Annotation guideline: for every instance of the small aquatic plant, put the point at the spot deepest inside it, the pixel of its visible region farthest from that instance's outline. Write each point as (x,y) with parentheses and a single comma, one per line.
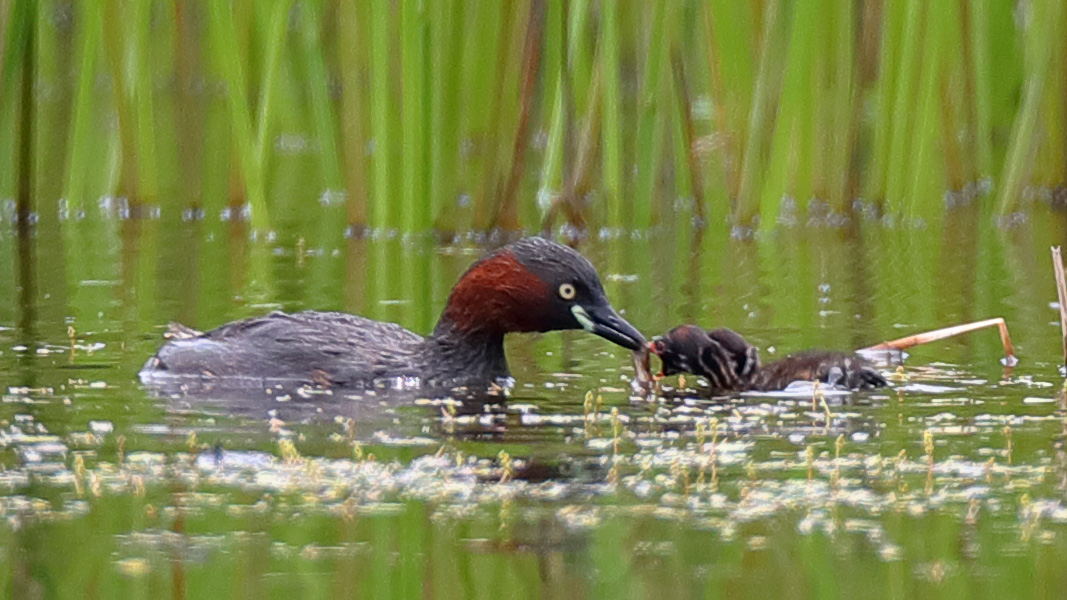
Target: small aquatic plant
(506,470)
(1007,443)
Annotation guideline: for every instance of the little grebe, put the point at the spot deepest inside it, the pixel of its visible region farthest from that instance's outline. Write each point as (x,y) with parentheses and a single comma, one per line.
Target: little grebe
(731,364)
(531,285)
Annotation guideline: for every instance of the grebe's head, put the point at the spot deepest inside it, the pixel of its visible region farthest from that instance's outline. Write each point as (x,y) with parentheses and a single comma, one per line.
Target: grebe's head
(679,349)
(535,284)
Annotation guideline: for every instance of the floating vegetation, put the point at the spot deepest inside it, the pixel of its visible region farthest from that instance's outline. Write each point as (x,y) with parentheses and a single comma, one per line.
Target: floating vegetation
(560,477)
(709,459)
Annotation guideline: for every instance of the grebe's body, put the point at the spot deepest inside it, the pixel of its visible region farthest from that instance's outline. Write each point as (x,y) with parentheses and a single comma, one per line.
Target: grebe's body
(531,285)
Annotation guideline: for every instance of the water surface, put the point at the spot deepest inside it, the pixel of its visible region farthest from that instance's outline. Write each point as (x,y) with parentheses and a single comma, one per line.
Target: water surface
(951,483)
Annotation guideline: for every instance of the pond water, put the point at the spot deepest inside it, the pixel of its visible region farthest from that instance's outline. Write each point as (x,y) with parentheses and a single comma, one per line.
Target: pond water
(951,483)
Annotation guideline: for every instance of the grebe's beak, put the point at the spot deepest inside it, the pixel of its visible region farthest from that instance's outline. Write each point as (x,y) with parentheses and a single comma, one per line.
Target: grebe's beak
(605,322)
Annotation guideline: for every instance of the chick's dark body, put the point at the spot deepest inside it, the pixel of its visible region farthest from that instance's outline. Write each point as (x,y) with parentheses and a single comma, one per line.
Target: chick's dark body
(731,364)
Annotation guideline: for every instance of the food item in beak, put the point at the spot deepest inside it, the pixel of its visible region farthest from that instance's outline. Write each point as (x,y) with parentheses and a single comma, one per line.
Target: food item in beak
(643,381)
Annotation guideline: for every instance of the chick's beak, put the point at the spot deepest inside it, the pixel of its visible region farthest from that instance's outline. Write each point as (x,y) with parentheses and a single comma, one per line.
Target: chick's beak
(605,322)
(652,350)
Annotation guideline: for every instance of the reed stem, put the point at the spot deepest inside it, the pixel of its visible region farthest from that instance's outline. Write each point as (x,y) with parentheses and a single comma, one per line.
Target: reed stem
(685,111)
(447,31)
(554,70)
(650,115)
(903,113)
(611,124)
(80,144)
(382,201)
(415,116)
(982,73)
(224,37)
(751,164)
(24,21)
(351,63)
(1023,144)
(507,217)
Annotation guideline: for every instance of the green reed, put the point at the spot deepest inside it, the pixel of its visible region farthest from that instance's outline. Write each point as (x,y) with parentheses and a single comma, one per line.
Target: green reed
(650,113)
(1040,68)
(275,34)
(841,106)
(409,106)
(115,51)
(447,26)
(87,46)
(790,151)
(16,56)
(493,63)
(556,40)
(612,166)
(223,33)
(415,117)
(351,55)
(925,125)
(902,109)
(981,74)
(752,157)
(383,116)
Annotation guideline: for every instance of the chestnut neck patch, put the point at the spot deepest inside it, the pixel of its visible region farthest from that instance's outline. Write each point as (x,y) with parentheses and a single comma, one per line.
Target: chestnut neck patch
(497,295)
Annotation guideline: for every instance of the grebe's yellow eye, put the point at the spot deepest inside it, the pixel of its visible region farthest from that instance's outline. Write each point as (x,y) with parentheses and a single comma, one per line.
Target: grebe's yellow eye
(567,291)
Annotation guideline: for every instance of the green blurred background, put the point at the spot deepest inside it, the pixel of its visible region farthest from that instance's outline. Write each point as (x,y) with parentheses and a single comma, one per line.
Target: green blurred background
(464,116)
